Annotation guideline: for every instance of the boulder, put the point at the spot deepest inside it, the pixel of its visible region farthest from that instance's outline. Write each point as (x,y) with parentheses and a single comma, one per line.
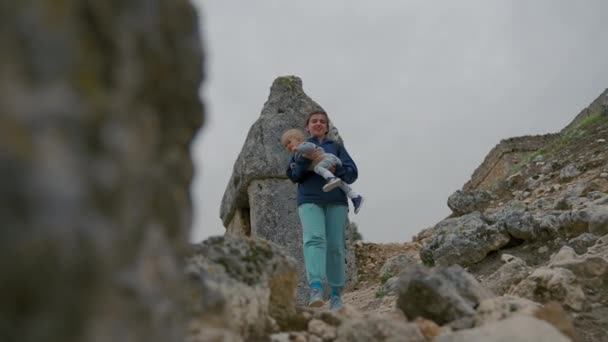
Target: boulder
(568,172)
(523,224)
(324,331)
(263,156)
(395,265)
(581,243)
(511,273)
(375,329)
(515,329)
(590,219)
(590,268)
(546,284)
(244,283)
(464,240)
(465,202)
(99,104)
(503,307)
(443,294)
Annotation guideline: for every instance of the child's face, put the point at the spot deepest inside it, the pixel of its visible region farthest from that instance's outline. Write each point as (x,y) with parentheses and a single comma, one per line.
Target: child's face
(291,143)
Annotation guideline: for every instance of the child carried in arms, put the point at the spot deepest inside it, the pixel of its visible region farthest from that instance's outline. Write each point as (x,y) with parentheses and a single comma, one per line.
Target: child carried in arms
(294,142)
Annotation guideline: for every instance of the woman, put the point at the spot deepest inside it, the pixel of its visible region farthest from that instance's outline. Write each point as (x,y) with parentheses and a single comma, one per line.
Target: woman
(323,214)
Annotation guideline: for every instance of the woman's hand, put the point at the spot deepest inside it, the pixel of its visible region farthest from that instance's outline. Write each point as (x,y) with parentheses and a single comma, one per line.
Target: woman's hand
(317,153)
(313,155)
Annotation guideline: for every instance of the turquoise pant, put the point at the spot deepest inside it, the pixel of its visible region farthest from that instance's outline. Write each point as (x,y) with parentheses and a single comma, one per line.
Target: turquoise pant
(323,229)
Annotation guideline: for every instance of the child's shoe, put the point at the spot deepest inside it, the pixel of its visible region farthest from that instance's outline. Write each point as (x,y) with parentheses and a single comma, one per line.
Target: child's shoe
(332,183)
(357,203)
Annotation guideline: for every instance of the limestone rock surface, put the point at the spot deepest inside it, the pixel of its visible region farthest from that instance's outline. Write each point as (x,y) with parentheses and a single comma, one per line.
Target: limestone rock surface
(99,103)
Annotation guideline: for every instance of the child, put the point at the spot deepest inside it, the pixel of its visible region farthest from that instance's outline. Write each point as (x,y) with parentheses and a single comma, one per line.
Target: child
(293,140)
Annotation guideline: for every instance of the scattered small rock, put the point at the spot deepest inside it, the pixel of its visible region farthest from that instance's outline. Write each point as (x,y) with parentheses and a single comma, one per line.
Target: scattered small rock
(395,265)
(546,284)
(516,328)
(443,294)
(581,243)
(428,328)
(465,202)
(538,159)
(515,180)
(569,172)
(554,313)
(499,308)
(322,330)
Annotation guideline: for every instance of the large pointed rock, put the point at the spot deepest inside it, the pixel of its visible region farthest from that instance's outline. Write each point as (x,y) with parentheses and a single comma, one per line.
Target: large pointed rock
(263,156)
(259,200)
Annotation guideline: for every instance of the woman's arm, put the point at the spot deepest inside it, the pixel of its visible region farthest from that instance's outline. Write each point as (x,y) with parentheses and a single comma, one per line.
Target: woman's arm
(348,172)
(297,169)
(305,148)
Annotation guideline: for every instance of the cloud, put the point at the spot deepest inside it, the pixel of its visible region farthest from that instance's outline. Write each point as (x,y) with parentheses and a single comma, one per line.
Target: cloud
(421,91)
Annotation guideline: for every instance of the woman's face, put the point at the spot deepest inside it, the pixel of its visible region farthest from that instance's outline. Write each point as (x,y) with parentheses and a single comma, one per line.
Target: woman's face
(317,125)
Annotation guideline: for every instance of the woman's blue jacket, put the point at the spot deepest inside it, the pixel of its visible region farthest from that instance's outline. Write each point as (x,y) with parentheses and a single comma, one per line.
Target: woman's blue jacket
(310,184)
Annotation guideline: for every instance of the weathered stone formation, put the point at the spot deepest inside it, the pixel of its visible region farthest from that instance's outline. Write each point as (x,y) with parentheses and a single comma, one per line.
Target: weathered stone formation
(466,202)
(434,304)
(99,103)
(241,287)
(543,237)
(444,295)
(510,153)
(528,263)
(259,200)
(597,106)
(503,158)
(264,158)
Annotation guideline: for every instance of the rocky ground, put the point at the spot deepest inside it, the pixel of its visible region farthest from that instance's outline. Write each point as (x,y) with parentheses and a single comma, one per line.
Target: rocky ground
(570,172)
(567,176)
(524,260)
(367,295)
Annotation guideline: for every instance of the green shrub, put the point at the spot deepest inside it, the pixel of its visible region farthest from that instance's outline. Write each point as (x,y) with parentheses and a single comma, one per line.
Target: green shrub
(385,277)
(591,120)
(568,136)
(354,229)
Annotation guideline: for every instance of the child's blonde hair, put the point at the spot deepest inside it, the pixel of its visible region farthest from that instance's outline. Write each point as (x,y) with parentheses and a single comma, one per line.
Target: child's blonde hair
(292,133)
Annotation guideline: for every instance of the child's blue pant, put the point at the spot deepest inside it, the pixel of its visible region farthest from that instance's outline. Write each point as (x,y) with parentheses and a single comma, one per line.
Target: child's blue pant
(323,229)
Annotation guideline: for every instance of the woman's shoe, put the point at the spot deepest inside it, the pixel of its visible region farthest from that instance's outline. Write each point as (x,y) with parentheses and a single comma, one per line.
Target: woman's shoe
(335,303)
(316,297)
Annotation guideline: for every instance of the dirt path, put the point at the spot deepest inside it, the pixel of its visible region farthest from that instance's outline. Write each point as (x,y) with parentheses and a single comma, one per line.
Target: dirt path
(370,258)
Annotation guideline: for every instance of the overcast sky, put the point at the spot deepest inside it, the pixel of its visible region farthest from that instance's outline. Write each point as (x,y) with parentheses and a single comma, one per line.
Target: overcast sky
(419,90)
